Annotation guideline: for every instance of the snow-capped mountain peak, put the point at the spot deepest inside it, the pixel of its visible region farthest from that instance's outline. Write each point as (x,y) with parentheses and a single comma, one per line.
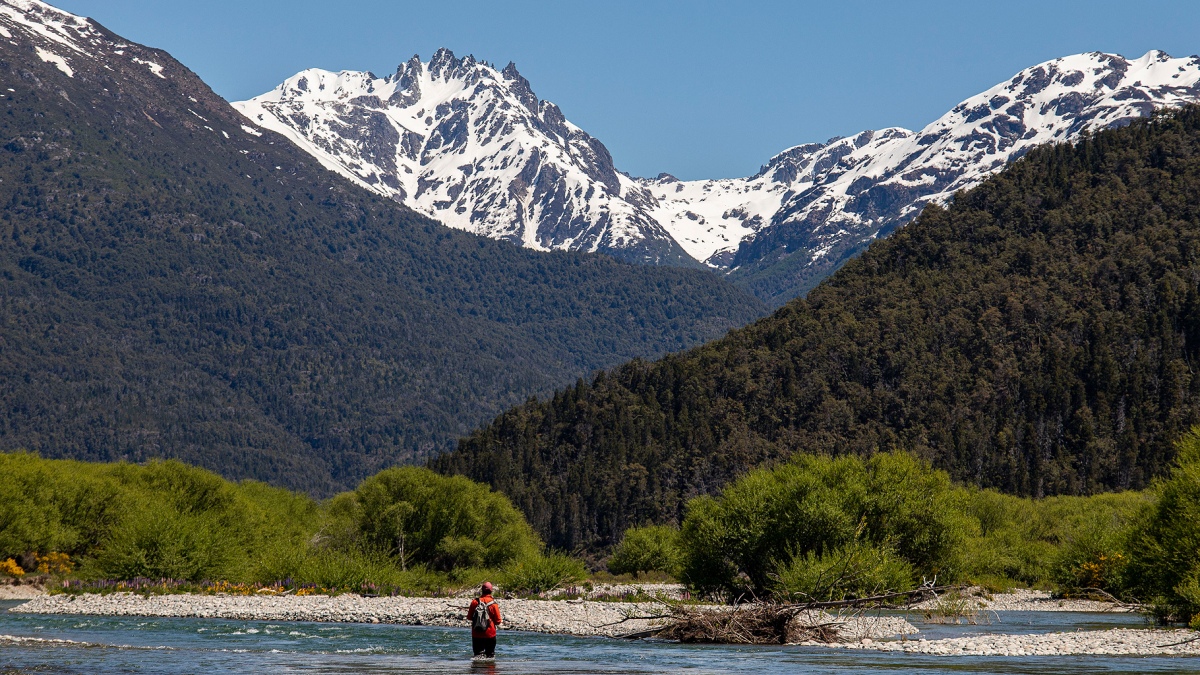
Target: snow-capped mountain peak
(826,201)
(861,192)
(471,145)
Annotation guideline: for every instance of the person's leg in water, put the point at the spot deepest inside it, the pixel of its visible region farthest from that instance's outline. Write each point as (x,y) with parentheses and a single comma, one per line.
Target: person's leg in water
(484,646)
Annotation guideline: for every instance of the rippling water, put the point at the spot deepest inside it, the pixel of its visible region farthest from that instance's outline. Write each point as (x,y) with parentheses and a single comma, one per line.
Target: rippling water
(179,646)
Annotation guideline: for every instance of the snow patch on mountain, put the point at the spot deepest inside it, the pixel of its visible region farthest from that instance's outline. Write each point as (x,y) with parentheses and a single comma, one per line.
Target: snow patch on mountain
(710,218)
(63,29)
(51,57)
(60,37)
(155,68)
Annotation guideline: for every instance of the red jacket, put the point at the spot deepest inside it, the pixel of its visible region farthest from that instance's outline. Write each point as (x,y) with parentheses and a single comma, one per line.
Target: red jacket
(493,610)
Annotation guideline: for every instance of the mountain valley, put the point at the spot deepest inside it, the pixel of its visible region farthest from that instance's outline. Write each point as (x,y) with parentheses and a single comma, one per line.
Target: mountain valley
(179,283)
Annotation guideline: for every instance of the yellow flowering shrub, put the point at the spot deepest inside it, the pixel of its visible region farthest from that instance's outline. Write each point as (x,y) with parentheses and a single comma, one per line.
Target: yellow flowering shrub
(229,588)
(55,563)
(1100,572)
(11,568)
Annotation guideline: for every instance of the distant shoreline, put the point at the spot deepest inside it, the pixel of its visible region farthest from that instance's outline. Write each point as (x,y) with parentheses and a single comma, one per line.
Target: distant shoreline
(21,592)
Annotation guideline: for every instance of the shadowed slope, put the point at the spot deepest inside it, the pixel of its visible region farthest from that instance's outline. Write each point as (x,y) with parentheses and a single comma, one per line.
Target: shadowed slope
(176,283)
(1038,336)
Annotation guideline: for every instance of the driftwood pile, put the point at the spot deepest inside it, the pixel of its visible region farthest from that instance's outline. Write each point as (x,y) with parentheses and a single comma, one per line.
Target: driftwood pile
(751,625)
(764,623)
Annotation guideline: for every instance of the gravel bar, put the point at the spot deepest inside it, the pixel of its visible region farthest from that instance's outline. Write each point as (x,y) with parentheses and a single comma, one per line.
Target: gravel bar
(1034,601)
(1113,642)
(565,617)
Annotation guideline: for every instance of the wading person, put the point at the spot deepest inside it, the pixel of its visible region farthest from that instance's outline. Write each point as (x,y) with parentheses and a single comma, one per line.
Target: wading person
(484,615)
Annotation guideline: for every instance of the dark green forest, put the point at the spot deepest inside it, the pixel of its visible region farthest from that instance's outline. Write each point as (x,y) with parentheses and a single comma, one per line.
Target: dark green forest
(1038,336)
(176,285)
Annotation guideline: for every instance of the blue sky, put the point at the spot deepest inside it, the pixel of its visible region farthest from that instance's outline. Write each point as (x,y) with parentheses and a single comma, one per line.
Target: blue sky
(697,89)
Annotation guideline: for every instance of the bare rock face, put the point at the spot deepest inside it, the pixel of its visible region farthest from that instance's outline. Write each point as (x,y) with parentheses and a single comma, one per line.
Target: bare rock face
(475,147)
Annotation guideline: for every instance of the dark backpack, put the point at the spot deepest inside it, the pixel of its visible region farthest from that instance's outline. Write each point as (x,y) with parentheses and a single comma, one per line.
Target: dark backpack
(481,619)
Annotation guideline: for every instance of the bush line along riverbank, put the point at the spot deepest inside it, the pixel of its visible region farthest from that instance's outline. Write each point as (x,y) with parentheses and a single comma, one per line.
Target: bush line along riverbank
(809,529)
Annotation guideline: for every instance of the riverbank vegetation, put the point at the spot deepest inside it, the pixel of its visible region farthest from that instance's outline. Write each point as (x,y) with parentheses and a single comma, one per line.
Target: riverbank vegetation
(812,529)
(168,526)
(818,529)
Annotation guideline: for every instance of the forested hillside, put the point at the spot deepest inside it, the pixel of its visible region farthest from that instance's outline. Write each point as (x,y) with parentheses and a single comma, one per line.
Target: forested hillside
(174,283)
(1038,336)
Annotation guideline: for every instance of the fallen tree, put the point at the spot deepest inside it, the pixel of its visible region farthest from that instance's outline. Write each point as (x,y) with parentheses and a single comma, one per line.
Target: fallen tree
(761,623)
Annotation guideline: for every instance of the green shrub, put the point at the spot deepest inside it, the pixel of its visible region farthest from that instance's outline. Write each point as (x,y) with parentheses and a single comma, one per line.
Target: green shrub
(277,560)
(459,552)
(855,570)
(541,573)
(347,569)
(420,517)
(1071,543)
(1092,555)
(654,548)
(55,505)
(163,519)
(162,543)
(403,528)
(1006,538)
(1164,564)
(817,505)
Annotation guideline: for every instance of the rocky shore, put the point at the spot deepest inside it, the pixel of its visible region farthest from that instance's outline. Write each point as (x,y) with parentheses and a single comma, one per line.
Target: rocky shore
(1114,642)
(566,617)
(13,589)
(1031,601)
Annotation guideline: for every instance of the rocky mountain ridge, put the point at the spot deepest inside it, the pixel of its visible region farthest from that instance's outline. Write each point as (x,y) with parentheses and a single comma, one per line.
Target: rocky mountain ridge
(472,145)
(850,191)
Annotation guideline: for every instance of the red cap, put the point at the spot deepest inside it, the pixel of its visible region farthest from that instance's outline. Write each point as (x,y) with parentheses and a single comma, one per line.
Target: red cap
(487,588)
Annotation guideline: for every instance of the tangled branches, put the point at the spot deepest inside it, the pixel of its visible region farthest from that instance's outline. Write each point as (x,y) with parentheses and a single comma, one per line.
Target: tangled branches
(752,625)
(769,622)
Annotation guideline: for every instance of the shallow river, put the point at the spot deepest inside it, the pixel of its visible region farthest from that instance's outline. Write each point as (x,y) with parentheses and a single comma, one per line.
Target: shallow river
(211,647)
